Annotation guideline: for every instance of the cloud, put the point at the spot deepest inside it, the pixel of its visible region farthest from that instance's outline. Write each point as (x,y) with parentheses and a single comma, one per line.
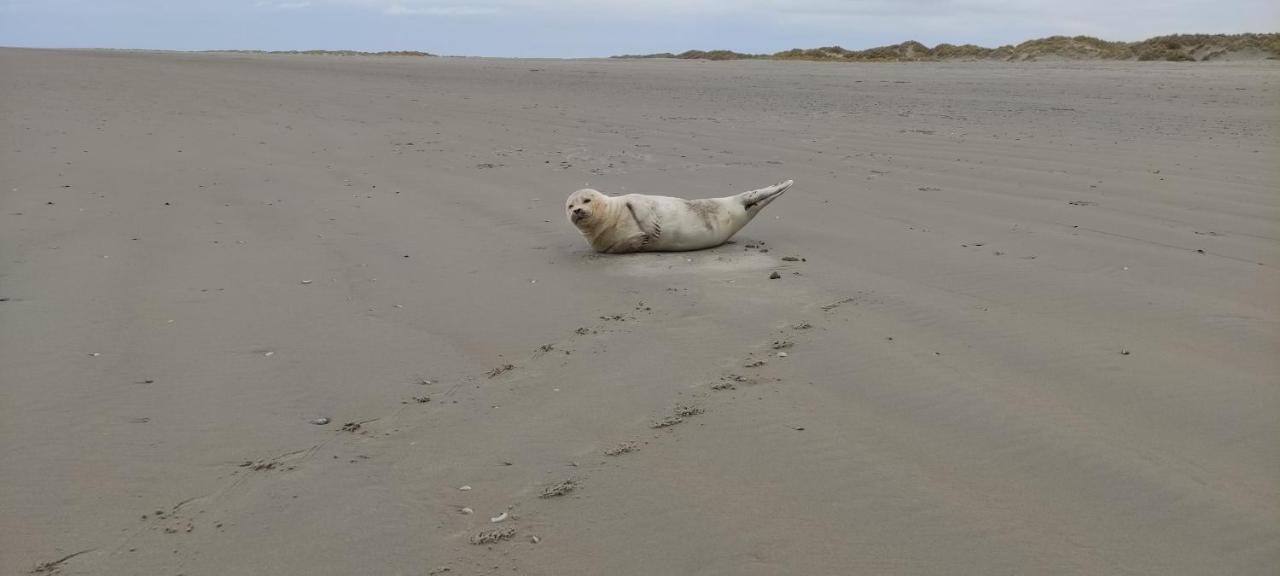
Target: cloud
(397,8)
(1123,19)
(430,7)
(1102,15)
(604,27)
(567,8)
(282,4)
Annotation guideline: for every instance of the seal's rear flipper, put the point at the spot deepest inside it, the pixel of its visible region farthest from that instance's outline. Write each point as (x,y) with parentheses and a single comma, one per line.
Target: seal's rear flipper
(755,200)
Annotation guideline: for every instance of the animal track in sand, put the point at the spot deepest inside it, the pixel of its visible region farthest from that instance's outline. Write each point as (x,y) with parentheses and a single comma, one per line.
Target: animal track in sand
(667,422)
(836,304)
(623,448)
(686,411)
(493,535)
(55,566)
(732,381)
(284,461)
(544,349)
(495,372)
(559,488)
(678,414)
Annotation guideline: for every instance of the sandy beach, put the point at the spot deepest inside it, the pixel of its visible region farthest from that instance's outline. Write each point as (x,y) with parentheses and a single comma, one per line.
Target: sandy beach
(324,315)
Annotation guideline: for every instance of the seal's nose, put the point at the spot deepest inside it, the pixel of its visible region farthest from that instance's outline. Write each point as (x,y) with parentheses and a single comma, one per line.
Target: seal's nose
(578,211)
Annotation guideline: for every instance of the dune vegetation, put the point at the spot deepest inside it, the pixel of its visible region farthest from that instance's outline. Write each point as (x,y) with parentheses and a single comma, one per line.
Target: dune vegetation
(1175,48)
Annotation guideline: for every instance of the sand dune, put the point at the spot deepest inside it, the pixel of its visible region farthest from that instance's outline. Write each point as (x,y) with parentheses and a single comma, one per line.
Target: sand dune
(1170,48)
(1034,329)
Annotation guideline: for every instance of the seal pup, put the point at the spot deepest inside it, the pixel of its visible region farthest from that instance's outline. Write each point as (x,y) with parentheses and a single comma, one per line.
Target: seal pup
(643,223)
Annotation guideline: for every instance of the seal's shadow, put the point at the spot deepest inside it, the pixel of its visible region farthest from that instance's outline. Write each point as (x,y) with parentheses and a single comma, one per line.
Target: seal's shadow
(723,259)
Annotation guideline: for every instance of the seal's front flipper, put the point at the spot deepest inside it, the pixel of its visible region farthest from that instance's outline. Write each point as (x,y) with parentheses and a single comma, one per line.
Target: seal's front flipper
(646,218)
(756,200)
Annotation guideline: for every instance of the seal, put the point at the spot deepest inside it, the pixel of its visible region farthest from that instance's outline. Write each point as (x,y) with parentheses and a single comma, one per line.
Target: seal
(643,223)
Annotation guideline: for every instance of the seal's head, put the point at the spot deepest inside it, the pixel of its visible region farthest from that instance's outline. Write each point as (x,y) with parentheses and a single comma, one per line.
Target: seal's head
(585,205)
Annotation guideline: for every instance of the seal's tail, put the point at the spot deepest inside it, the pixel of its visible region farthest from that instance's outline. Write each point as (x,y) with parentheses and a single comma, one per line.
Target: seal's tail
(756,200)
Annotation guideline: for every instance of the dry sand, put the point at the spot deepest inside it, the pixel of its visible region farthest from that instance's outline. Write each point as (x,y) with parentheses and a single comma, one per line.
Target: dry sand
(1035,330)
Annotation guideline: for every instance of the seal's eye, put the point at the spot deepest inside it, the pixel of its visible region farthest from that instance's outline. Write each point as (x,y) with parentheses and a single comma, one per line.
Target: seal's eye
(587,201)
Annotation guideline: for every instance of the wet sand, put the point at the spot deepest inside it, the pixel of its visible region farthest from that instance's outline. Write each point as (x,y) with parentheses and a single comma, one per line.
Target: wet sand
(1034,329)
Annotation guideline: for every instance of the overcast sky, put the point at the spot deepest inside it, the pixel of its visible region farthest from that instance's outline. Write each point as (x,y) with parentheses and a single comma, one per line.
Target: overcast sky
(577,28)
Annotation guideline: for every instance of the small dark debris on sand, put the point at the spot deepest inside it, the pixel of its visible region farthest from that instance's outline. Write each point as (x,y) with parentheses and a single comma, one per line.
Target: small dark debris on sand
(351,427)
(583,331)
(1082,203)
(801,326)
(782,344)
(756,364)
(493,535)
(181,526)
(499,370)
(559,489)
(929,189)
(421,399)
(546,348)
(718,386)
(793,259)
(623,448)
(775,275)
